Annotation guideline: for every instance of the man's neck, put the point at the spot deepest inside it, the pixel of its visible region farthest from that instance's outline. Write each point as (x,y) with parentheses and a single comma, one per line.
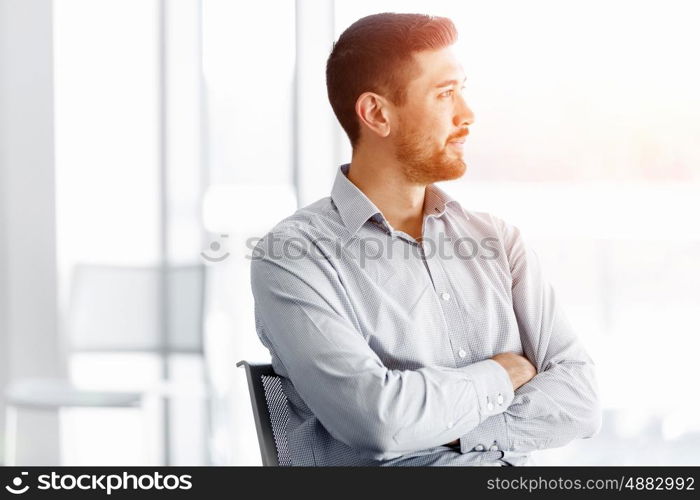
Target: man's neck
(383,182)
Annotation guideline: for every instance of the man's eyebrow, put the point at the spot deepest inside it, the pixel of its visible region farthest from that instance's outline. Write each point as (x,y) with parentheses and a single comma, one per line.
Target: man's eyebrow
(448,83)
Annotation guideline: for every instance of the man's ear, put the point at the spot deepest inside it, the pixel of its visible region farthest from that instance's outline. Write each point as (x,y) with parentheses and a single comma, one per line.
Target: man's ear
(373,111)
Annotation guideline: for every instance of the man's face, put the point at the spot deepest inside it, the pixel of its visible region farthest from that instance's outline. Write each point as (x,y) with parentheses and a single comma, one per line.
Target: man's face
(432,123)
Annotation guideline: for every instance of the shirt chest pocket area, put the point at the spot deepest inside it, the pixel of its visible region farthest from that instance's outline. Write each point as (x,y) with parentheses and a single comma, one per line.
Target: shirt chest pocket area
(400,315)
(485,302)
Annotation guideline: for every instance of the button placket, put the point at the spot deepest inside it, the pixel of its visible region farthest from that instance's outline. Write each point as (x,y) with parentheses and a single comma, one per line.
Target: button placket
(460,329)
(453,316)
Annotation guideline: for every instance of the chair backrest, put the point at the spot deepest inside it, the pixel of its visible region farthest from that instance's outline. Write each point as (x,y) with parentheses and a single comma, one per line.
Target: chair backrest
(123,309)
(270,411)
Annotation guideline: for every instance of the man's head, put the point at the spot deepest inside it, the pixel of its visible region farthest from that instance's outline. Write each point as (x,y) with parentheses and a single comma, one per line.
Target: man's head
(395,84)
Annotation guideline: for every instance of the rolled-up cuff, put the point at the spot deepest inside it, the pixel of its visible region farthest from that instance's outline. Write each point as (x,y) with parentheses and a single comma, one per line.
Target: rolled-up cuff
(490,435)
(493,387)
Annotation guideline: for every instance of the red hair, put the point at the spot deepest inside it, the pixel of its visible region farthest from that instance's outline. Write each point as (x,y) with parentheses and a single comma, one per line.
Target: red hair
(374,55)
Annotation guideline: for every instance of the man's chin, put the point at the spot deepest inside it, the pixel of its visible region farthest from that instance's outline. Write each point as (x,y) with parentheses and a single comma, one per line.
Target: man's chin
(454,171)
(441,167)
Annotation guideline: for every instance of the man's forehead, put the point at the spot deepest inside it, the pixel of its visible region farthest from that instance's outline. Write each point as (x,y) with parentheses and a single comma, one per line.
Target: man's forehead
(438,68)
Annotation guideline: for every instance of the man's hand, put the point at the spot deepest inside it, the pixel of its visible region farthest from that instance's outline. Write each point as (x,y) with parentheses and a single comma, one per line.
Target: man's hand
(518,367)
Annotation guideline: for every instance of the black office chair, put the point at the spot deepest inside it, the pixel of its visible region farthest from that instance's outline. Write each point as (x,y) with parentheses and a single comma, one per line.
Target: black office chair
(270,412)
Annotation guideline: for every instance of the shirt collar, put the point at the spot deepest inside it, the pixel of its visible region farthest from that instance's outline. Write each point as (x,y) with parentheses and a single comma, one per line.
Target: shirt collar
(438,201)
(353,205)
(355,208)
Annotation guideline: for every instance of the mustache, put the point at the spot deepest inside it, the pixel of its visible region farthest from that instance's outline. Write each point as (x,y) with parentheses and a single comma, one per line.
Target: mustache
(464,133)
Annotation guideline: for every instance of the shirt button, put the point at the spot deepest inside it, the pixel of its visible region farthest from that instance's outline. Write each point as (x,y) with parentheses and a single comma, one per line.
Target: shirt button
(489,406)
(493,448)
(450,425)
(479,447)
(445,296)
(500,398)
(462,353)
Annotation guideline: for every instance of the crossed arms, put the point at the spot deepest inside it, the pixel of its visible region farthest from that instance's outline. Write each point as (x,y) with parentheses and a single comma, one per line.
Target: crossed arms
(560,403)
(384,413)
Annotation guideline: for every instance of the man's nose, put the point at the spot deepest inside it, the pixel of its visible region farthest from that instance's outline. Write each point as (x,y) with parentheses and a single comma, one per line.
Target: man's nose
(464,116)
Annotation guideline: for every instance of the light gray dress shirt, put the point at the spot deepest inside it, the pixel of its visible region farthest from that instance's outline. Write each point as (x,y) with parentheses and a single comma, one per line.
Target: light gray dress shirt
(383,342)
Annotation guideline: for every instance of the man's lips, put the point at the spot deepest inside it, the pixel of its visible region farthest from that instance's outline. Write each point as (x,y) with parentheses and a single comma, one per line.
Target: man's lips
(458,145)
(460,138)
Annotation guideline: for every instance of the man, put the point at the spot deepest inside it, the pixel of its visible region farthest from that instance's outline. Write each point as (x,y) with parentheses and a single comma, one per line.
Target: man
(394,349)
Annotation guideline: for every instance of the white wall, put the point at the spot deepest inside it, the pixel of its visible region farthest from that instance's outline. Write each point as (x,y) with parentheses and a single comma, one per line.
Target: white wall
(28,310)
(315,126)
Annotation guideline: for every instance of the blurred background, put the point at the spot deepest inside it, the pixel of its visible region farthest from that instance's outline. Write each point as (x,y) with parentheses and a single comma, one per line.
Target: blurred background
(144,144)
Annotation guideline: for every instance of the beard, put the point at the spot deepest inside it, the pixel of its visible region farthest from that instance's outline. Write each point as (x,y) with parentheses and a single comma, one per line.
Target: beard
(423,162)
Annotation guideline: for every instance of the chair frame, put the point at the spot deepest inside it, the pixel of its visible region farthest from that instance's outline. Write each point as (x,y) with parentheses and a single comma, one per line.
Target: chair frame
(261,413)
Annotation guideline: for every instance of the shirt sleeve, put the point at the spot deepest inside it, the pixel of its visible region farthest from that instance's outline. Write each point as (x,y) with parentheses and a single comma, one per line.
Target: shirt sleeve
(307,323)
(561,402)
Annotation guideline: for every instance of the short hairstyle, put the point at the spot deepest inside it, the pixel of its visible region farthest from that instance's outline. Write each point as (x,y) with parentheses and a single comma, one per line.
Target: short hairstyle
(374,55)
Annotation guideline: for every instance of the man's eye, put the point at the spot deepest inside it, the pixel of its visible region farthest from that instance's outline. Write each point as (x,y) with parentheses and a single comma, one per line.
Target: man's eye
(447,93)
